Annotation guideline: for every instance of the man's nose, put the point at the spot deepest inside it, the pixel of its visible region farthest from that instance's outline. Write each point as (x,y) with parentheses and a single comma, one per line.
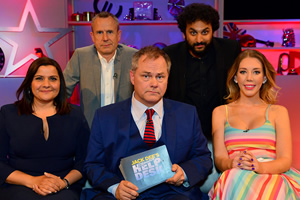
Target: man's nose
(153,82)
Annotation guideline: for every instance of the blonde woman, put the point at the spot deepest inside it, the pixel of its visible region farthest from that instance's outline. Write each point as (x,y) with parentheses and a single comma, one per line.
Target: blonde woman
(252,136)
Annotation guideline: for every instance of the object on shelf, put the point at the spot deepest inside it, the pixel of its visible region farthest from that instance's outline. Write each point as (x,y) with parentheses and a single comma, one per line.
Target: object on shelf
(288,37)
(175,7)
(160,45)
(143,10)
(249,41)
(87,16)
(231,31)
(76,17)
(155,15)
(284,60)
(130,16)
(292,71)
(96,9)
(2,59)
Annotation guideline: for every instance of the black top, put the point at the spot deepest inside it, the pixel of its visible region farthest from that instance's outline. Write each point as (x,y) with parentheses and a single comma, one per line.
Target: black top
(23,146)
(201,88)
(179,84)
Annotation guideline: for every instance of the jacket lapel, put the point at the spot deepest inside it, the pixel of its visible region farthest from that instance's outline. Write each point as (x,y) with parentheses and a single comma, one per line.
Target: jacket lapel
(97,74)
(169,128)
(117,71)
(220,67)
(181,60)
(124,124)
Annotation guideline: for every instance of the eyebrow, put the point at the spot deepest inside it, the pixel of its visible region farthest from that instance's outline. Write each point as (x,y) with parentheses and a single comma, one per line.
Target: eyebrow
(206,28)
(252,69)
(46,76)
(145,72)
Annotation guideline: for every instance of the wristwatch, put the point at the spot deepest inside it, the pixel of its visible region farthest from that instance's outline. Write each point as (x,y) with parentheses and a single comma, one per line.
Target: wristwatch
(67,183)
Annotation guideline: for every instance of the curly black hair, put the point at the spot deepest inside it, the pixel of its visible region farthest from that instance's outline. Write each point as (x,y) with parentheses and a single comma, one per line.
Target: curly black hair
(198,11)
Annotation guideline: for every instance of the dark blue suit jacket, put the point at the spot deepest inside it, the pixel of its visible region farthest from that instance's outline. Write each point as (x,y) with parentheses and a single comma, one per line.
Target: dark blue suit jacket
(114,135)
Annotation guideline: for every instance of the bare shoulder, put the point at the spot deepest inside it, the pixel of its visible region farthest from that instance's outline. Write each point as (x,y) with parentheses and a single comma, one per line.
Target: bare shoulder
(278,113)
(278,109)
(219,113)
(219,110)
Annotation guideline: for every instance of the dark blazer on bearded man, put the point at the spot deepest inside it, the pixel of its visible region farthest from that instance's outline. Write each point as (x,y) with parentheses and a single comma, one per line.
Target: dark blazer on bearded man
(114,135)
(84,68)
(226,51)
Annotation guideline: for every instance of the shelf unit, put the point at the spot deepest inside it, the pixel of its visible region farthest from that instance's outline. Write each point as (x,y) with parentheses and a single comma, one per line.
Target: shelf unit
(126,23)
(256,22)
(272,30)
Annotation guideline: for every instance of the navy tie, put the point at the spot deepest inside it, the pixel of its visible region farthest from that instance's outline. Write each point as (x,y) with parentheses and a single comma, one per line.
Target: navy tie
(149,135)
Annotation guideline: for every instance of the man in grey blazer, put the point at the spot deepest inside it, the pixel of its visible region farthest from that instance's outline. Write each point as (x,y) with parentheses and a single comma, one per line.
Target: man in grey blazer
(102,69)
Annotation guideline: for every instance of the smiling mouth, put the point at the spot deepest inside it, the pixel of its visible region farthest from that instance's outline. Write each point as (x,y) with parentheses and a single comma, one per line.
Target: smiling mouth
(249,87)
(46,91)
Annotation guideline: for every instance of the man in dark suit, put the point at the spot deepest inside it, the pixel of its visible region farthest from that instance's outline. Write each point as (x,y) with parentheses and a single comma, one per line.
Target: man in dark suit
(118,132)
(200,63)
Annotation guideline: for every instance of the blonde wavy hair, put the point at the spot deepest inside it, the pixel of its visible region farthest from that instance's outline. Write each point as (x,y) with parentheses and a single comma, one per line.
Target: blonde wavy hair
(268,91)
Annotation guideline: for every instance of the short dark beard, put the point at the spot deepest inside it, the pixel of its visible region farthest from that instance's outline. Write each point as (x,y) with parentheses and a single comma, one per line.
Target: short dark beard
(199,53)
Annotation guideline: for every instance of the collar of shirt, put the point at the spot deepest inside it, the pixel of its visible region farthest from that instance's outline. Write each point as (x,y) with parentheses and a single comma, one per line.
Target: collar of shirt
(104,61)
(140,117)
(138,109)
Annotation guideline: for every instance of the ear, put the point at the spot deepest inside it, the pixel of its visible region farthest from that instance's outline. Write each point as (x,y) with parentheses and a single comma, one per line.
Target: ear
(119,35)
(132,77)
(234,79)
(183,35)
(92,36)
(265,80)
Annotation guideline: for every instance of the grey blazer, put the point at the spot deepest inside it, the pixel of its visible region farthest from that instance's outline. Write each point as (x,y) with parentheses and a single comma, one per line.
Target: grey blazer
(84,68)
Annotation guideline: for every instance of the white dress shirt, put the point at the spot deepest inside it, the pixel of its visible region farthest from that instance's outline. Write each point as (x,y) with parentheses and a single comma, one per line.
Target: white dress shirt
(107,80)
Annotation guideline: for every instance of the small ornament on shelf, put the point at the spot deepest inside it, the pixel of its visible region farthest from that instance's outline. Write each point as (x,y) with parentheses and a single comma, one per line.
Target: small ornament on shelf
(175,7)
(292,71)
(155,15)
(284,60)
(285,67)
(76,17)
(231,31)
(288,38)
(130,16)
(88,16)
(143,10)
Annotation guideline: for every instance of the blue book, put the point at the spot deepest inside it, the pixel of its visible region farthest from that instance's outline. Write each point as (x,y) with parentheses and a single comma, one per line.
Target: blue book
(147,169)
